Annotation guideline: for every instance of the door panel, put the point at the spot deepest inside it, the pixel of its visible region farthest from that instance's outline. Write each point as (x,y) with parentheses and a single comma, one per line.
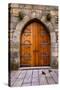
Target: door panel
(35,46)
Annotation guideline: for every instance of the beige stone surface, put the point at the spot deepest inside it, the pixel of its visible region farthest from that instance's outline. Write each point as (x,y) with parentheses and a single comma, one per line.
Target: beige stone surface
(34,77)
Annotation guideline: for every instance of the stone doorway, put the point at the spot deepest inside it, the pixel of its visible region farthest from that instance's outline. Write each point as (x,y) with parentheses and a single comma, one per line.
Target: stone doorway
(34,45)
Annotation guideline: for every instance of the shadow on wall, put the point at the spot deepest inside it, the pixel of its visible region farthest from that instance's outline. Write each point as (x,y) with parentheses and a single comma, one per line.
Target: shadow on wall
(54,63)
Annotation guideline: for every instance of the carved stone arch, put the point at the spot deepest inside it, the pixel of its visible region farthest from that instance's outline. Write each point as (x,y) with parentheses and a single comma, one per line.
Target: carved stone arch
(22,25)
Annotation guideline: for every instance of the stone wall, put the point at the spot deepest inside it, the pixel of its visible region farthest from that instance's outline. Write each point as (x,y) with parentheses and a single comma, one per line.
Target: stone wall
(20,14)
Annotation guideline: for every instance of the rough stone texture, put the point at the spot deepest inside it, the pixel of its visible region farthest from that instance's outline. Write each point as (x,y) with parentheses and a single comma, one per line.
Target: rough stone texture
(53,37)
(34,77)
(33,11)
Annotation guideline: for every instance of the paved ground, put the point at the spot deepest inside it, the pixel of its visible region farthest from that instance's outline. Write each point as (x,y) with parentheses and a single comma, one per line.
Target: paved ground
(34,77)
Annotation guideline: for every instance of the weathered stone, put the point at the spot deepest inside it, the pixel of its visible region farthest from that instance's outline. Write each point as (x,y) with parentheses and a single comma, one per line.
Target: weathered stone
(14,19)
(12,25)
(29,7)
(56,30)
(18,78)
(15,11)
(54,61)
(14,5)
(54,45)
(14,55)
(21,6)
(31,12)
(54,12)
(53,37)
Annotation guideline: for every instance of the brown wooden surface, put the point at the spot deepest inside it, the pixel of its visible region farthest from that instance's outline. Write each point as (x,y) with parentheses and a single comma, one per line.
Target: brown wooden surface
(35,46)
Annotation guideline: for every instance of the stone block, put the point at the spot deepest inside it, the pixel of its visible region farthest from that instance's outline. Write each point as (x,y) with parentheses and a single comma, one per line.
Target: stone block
(26,84)
(54,12)
(12,25)
(13,55)
(54,61)
(54,53)
(15,11)
(56,30)
(21,6)
(14,19)
(54,44)
(14,5)
(53,37)
(29,7)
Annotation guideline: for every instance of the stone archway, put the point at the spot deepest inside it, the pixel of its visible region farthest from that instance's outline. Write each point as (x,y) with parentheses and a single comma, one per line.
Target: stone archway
(18,31)
(39,44)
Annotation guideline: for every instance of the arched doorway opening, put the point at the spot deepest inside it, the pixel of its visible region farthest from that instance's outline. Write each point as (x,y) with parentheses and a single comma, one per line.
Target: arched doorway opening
(35,44)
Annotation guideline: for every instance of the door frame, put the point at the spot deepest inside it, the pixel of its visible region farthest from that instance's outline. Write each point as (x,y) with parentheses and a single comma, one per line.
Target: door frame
(29,22)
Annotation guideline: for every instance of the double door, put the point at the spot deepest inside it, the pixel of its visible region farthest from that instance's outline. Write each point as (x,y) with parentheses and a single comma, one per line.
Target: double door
(35,46)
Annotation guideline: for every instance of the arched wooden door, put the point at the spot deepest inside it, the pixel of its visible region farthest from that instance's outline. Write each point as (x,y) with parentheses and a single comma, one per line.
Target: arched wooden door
(35,46)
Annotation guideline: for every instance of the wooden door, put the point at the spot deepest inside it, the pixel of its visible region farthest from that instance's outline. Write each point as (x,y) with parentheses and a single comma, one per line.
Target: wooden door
(35,46)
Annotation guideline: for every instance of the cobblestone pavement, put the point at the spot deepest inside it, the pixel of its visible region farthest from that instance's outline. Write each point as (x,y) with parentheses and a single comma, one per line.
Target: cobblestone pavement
(34,77)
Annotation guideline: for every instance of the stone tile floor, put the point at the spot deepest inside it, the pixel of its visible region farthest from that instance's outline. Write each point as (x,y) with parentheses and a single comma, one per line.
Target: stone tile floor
(34,77)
